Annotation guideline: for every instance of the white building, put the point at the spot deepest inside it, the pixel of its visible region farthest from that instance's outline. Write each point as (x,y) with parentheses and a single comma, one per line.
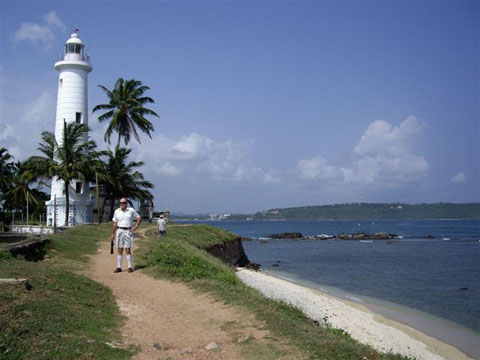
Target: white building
(72,106)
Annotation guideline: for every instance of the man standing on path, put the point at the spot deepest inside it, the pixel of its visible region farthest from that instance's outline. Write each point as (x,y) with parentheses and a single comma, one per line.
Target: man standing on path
(161,226)
(123,227)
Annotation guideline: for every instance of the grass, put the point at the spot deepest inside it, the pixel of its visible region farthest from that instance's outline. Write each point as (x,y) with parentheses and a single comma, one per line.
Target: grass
(201,236)
(178,258)
(65,315)
(68,316)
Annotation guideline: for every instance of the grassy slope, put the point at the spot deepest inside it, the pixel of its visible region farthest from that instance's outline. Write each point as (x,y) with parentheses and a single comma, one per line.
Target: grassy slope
(68,316)
(65,315)
(178,258)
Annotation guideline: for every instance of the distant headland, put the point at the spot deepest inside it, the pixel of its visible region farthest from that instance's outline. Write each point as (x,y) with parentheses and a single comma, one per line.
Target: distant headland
(353,211)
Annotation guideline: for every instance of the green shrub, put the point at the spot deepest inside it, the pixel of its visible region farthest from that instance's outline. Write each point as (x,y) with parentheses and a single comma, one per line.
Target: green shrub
(185,262)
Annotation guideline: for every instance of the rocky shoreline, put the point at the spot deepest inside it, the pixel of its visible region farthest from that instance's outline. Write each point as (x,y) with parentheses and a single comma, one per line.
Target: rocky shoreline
(341,236)
(357,321)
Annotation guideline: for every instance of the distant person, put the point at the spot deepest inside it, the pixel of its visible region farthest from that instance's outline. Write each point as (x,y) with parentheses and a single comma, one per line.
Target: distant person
(161,226)
(125,221)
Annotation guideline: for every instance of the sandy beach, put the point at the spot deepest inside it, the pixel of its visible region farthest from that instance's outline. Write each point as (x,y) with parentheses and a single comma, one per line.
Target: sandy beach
(363,325)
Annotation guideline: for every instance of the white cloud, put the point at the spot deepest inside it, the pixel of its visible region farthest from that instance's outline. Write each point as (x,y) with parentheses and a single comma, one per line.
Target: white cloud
(21,134)
(200,157)
(39,111)
(383,138)
(168,169)
(317,168)
(383,158)
(459,177)
(54,21)
(40,33)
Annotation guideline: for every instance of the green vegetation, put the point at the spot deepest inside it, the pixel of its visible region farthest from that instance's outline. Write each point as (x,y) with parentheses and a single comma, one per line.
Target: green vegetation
(74,156)
(67,158)
(179,258)
(118,177)
(65,315)
(361,211)
(16,186)
(68,316)
(126,110)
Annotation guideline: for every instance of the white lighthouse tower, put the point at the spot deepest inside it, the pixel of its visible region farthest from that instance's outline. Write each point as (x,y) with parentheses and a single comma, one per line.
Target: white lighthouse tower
(72,106)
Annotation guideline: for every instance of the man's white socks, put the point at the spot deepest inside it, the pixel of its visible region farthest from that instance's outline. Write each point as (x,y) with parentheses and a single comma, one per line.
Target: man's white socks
(129,260)
(119,261)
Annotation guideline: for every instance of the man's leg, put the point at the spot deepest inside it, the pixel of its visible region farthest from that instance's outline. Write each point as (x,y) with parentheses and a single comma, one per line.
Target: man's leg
(129,259)
(119,260)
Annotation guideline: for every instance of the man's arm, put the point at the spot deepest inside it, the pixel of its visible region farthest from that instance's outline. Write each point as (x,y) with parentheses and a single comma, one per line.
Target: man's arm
(114,229)
(139,220)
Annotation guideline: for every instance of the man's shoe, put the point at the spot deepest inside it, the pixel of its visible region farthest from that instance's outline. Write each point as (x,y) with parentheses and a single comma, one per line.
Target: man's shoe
(117,270)
(130,270)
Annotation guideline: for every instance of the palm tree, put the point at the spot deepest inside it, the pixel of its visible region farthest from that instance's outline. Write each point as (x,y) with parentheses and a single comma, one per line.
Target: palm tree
(119,178)
(21,192)
(7,171)
(71,158)
(126,110)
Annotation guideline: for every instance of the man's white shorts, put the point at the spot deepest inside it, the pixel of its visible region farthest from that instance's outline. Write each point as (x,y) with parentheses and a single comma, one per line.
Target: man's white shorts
(124,239)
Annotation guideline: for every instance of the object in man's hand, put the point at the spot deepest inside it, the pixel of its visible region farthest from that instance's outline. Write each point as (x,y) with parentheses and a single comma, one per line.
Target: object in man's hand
(111,247)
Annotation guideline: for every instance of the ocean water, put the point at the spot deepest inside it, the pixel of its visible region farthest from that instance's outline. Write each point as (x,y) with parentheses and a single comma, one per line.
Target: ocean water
(438,277)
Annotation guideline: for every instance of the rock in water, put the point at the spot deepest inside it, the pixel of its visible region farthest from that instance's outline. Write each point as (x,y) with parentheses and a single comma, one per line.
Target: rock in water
(287,235)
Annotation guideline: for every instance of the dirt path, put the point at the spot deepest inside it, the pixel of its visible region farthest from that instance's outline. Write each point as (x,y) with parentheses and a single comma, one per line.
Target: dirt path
(169,320)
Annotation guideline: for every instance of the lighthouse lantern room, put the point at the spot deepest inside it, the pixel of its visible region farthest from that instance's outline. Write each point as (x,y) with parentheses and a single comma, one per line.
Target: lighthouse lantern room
(72,106)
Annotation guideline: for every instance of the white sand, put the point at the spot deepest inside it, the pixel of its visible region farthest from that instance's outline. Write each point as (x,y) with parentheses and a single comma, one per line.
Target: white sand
(363,325)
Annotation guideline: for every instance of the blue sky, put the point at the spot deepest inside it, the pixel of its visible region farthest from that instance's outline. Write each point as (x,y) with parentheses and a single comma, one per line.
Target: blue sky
(267,104)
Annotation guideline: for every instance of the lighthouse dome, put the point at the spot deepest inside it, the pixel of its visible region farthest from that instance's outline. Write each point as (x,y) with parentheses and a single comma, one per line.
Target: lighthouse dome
(74,39)
(74,54)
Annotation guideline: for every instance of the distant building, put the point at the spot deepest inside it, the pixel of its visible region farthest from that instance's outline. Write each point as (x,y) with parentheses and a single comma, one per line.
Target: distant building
(98,203)
(146,209)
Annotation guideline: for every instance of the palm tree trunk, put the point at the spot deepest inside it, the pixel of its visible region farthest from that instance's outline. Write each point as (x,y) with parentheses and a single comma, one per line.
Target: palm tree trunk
(118,142)
(67,203)
(102,210)
(112,206)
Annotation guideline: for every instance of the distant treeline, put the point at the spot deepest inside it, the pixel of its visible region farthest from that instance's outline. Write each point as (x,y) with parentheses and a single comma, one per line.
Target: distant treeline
(360,211)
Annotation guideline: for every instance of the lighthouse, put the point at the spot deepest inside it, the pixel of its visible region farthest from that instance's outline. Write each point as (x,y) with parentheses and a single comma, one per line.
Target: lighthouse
(72,106)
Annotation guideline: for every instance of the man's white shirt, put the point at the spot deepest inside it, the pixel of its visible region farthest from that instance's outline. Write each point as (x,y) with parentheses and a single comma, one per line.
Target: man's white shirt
(125,218)
(161,224)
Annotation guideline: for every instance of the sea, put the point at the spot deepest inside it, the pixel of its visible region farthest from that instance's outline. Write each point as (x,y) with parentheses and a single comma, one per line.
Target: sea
(431,284)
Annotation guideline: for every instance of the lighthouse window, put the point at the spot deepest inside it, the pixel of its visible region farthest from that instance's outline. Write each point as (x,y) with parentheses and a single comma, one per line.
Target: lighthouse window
(71,48)
(78,47)
(78,118)
(78,187)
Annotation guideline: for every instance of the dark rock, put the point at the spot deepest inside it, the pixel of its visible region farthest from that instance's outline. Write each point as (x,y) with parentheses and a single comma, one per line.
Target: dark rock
(32,248)
(275,265)
(231,253)
(463,289)
(359,236)
(429,237)
(366,236)
(253,266)
(287,235)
